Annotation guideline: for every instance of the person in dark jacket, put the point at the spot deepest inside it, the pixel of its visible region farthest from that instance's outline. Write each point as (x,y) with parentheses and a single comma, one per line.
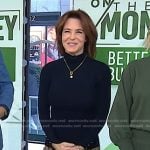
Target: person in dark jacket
(75,90)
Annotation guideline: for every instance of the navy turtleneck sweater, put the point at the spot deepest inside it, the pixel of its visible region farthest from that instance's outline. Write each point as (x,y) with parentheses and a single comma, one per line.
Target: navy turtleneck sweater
(74,109)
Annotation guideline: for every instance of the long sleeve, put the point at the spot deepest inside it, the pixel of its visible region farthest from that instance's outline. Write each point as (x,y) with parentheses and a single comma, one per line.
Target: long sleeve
(6,88)
(104,97)
(119,118)
(44,105)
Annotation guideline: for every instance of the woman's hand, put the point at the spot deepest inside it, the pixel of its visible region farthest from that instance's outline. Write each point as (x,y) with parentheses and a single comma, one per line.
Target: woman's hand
(67,146)
(3,112)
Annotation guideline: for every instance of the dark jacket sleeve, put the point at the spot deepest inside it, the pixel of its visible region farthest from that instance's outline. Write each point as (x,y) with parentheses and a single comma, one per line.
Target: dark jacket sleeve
(44,105)
(6,88)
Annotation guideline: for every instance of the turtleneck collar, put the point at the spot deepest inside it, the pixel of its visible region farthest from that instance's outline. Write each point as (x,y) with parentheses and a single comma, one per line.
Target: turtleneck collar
(74,58)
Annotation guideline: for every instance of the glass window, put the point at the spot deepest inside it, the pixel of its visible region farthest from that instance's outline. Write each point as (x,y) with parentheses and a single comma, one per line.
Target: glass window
(45,5)
(43,49)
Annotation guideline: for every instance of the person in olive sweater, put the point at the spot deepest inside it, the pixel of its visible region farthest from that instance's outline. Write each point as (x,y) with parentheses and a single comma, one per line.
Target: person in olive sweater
(75,90)
(129,118)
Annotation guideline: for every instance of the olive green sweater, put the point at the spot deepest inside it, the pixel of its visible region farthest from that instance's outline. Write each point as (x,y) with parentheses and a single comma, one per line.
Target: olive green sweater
(129,118)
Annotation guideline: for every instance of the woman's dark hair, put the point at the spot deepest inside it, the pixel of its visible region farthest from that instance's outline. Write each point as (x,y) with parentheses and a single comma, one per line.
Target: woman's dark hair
(88,28)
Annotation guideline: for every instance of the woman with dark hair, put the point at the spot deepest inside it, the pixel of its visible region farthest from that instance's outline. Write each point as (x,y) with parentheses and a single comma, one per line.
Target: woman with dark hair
(74,93)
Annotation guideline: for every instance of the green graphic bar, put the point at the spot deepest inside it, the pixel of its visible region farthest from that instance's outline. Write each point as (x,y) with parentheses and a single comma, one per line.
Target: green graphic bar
(9,56)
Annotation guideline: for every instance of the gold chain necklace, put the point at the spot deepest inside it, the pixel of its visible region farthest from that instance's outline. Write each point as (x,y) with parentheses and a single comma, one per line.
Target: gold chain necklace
(72,71)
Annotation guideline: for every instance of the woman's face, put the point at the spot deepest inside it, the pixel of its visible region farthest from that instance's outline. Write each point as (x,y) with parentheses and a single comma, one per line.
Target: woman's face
(73,37)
